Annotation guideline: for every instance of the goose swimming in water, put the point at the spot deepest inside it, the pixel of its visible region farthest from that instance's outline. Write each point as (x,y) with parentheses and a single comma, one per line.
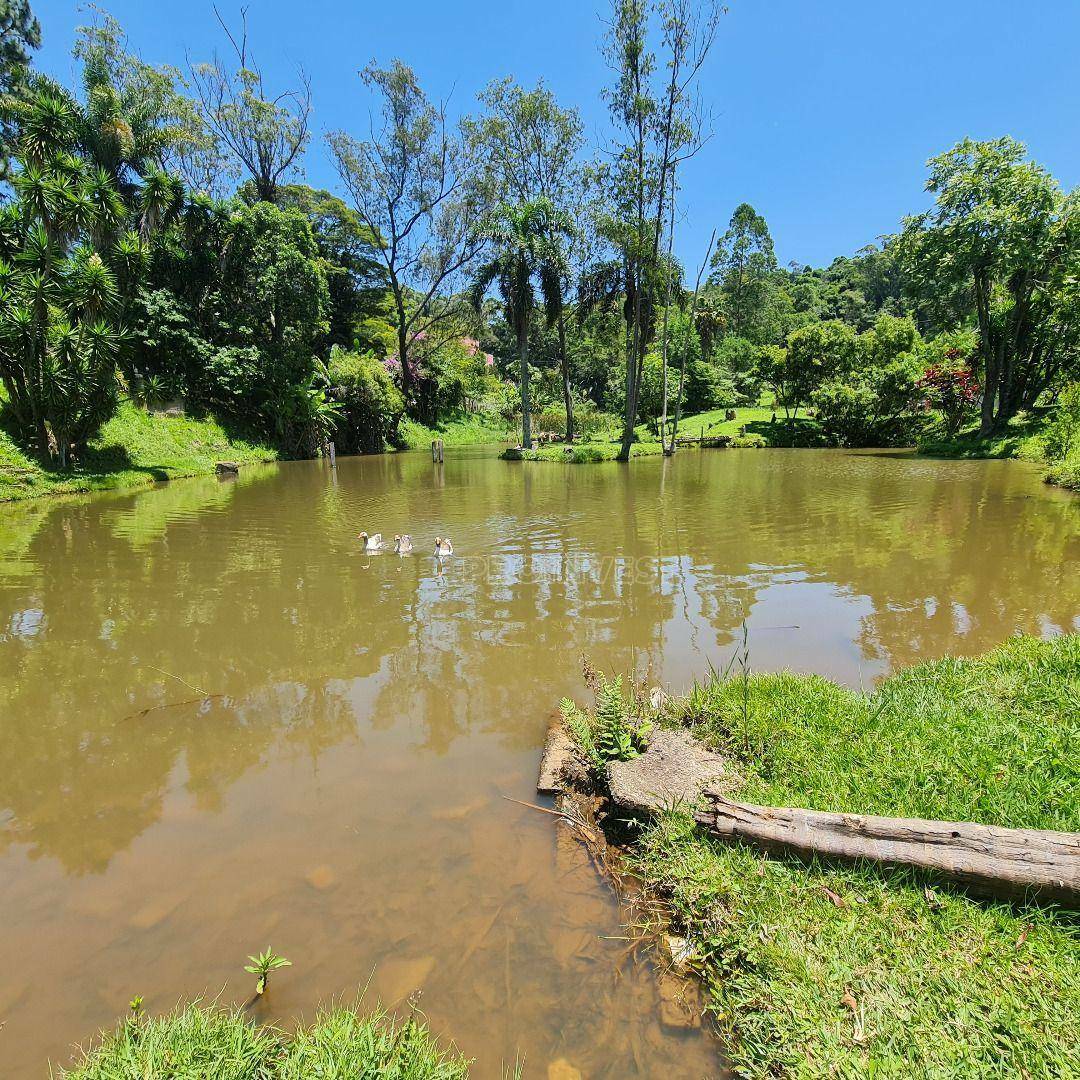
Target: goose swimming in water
(371,543)
(402,545)
(443,547)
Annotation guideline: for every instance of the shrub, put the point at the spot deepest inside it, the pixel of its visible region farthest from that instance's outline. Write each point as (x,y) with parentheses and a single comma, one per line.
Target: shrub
(737,360)
(952,388)
(371,404)
(748,442)
(872,407)
(1063,434)
(586,455)
(708,387)
(607,733)
(588,420)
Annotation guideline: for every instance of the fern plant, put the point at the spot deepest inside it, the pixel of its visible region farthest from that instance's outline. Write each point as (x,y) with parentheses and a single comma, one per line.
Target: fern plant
(579,725)
(609,733)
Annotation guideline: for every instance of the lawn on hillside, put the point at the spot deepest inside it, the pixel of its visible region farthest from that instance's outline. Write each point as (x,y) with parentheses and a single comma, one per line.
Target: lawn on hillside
(135,448)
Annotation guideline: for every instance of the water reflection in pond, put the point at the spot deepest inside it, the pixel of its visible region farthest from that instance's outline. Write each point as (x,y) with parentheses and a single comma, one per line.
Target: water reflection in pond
(222,726)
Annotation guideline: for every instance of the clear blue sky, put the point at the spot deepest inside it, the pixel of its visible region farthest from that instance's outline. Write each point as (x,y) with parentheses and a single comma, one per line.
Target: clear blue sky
(825,110)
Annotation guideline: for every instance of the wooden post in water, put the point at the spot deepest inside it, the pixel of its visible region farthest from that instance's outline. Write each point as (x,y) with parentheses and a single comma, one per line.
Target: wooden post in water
(333,456)
(438,450)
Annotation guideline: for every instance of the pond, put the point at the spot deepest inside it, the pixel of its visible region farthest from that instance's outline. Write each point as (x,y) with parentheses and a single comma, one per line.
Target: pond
(223,726)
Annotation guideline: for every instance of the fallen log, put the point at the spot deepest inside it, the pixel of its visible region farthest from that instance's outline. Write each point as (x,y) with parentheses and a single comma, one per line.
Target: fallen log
(989,859)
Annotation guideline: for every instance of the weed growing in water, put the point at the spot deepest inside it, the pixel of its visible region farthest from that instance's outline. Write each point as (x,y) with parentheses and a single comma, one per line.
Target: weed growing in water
(262,965)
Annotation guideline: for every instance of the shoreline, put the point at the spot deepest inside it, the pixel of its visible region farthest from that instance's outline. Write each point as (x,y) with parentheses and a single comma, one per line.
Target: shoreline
(811,965)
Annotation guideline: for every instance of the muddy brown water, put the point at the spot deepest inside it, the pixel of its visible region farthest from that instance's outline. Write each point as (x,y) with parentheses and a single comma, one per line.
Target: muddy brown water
(223,727)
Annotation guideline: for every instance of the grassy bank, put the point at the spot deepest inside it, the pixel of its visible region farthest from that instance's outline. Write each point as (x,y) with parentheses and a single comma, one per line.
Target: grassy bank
(1021,438)
(754,421)
(464,431)
(584,453)
(750,427)
(134,449)
(858,971)
(200,1041)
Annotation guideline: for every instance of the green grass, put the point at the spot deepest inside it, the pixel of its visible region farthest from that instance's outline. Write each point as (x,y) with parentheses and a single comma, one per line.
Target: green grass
(342,1044)
(899,975)
(471,430)
(207,1042)
(134,449)
(584,453)
(752,427)
(1021,438)
(754,420)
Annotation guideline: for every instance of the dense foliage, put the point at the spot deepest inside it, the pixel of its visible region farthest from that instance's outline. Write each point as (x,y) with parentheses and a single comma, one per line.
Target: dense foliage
(158,243)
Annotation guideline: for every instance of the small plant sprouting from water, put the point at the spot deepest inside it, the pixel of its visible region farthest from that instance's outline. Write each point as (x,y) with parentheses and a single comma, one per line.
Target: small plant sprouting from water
(609,732)
(134,1019)
(262,965)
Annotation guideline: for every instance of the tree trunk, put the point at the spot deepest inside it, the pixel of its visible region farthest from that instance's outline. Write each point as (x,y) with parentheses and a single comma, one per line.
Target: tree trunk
(523,379)
(403,356)
(990,359)
(987,858)
(630,416)
(564,363)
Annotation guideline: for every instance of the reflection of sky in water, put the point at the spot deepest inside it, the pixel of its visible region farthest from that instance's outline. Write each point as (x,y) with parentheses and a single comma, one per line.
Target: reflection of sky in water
(25,624)
(364,716)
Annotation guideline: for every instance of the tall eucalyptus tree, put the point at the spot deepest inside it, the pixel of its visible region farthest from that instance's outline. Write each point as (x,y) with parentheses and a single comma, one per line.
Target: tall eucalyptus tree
(659,126)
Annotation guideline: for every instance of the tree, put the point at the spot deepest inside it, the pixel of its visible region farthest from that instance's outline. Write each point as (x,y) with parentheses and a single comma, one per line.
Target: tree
(266,133)
(20,32)
(660,128)
(413,185)
(744,269)
(521,237)
(529,147)
(234,313)
(371,405)
(738,359)
(1002,229)
(872,400)
(815,354)
(65,262)
(354,273)
(135,119)
(952,389)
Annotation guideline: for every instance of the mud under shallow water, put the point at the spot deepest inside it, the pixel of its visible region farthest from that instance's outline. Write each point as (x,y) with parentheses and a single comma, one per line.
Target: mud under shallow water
(223,727)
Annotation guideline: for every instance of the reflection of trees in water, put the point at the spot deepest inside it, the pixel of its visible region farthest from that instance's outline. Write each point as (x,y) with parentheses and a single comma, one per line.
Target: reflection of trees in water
(256,592)
(953,556)
(85,765)
(497,639)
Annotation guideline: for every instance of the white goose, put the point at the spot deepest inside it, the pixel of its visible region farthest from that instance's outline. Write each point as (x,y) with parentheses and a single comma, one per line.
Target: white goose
(403,545)
(443,547)
(371,543)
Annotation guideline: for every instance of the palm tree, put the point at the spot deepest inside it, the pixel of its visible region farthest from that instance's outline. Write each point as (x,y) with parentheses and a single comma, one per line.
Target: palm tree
(65,264)
(522,239)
